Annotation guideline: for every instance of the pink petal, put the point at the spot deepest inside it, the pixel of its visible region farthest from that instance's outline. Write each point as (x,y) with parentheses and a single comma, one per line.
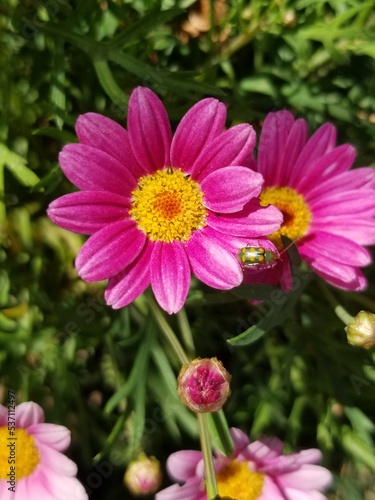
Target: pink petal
(273,139)
(338,275)
(62,487)
(191,490)
(6,494)
(200,125)
(170,275)
(292,494)
(333,163)
(361,231)
(35,486)
(110,250)
(270,490)
(126,286)
(317,146)
(253,220)
(90,169)
(336,248)
(149,130)
(307,477)
(228,189)
(181,465)
(354,179)
(212,262)
(232,147)
(264,449)
(105,134)
(297,139)
(240,440)
(28,414)
(3,416)
(354,202)
(86,212)
(52,435)
(57,461)
(304,457)
(359,203)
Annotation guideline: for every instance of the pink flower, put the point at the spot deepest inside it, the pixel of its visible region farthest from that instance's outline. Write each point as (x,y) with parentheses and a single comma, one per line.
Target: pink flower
(42,471)
(328,209)
(256,471)
(158,208)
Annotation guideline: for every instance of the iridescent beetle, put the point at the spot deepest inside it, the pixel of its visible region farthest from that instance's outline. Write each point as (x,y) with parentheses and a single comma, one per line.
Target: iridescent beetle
(257,257)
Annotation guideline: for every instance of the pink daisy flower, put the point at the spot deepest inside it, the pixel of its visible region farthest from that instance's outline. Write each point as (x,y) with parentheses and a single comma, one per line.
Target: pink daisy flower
(256,471)
(328,209)
(159,208)
(42,472)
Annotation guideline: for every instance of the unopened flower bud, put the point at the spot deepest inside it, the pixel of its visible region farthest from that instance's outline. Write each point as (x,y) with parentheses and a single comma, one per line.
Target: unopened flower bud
(143,476)
(361,330)
(203,385)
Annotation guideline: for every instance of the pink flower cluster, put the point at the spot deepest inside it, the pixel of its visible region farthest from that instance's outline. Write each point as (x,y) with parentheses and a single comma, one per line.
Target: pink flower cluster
(160,207)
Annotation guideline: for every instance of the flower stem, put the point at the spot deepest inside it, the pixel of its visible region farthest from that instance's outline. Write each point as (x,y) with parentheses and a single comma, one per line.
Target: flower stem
(2,205)
(340,311)
(220,434)
(169,334)
(211,485)
(185,329)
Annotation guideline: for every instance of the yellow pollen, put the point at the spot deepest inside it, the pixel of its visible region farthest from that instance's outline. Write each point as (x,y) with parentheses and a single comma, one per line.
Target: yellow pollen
(18,451)
(235,480)
(297,215)
(168,206)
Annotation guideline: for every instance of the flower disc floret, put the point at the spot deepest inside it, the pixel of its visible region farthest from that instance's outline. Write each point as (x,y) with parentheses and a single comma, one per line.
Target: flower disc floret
(236,480)
(296,212)
(168,206)
(26,454)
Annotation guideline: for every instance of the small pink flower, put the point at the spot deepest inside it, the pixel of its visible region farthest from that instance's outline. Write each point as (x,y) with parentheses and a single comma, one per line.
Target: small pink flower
(159,208)
(256,471)
(328,209)
(203,385)
(42,471)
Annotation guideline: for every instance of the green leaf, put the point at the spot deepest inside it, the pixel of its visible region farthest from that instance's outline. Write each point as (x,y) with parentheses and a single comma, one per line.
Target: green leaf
(108,82)
(17,166)
(142,27)
(137,374)
(258,84)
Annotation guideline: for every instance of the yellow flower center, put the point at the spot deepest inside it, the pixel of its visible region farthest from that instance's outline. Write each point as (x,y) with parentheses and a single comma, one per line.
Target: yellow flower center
(167,205)
(297,215)
(18,451)
(236,481)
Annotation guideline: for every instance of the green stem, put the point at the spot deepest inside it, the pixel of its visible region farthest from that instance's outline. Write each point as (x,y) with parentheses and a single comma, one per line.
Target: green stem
(211,486)
(240,41)
(169,334)
(2,205)
(340,311)
(220,434)
(185,329)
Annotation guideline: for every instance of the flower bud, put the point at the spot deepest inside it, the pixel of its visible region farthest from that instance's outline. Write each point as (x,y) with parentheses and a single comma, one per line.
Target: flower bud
(203,385)
(361,330)
(143,476)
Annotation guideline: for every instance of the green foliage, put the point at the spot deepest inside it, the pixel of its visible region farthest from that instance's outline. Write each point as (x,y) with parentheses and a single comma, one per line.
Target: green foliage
(106,374)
